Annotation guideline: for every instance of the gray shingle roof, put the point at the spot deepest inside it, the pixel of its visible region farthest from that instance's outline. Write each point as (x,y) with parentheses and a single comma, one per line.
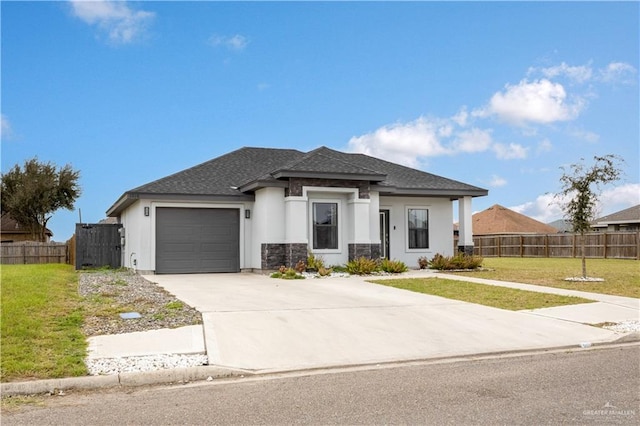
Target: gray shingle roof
(630,215)
(236,174)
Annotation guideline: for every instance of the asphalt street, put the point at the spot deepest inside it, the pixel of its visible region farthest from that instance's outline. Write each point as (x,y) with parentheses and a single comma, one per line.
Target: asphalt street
(592,386)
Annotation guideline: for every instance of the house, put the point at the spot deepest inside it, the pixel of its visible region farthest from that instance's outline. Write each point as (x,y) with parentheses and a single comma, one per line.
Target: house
(623,220)
(11,231)
(259,208)
(499,220)
(562,225)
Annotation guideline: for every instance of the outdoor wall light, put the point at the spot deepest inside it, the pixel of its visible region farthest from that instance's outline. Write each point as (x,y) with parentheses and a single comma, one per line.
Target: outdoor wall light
(146,211)
(247,214)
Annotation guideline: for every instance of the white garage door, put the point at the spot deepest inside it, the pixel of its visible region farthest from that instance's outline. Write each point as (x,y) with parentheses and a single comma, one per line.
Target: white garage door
(190,240)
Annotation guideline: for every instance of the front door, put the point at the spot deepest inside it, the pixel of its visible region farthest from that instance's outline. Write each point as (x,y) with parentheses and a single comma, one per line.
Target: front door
(384,234)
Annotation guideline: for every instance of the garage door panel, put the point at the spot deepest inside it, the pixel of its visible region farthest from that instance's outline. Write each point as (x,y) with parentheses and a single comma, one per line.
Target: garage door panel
(196,240)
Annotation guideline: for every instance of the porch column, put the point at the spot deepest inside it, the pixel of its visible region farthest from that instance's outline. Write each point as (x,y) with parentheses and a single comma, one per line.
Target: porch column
(359,227)
(295,231)
(465,226)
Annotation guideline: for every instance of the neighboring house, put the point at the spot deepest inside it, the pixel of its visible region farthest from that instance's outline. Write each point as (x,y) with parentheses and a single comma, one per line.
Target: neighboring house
(497,220)
(562,225)
(624,220)
(259,208)
(11,231)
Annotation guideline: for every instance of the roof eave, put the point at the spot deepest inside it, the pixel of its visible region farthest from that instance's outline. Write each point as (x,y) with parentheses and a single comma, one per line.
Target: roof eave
(375,177)
(430,192)
(128,198)
(259,184)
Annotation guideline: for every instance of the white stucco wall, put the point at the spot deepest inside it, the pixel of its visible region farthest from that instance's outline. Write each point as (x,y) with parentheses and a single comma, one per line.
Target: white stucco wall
(140,232)
(267,222)
(440,227)
(137,231)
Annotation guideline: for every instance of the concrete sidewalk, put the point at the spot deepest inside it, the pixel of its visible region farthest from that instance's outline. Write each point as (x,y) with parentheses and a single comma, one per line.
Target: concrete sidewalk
(184,341)
(261,324)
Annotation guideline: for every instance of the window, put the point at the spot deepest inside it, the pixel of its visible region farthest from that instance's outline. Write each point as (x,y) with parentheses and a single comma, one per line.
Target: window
(418,228)
(325,226)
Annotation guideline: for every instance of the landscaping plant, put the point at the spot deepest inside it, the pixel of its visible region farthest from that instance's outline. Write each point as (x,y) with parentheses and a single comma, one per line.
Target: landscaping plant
(459,261)
(362,266)
(393,266)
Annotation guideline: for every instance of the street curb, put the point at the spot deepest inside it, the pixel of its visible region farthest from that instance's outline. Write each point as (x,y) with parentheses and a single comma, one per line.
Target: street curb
(176,375)
(206,372)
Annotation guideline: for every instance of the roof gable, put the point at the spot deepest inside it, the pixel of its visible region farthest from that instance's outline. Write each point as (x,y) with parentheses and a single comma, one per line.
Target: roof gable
(500,220)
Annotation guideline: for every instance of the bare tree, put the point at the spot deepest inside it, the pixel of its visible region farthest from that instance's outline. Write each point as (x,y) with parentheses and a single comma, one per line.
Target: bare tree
(581,187)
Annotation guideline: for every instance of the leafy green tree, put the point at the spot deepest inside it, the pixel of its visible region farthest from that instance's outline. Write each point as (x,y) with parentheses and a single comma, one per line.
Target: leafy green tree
(581,186)
(30,194)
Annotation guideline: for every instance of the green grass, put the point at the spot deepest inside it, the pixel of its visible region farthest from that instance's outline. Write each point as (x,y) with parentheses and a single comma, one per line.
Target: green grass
(622,276)
(483,294)
(41,323)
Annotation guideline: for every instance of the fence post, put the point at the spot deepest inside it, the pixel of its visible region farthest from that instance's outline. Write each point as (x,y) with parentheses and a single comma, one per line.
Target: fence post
(604,248)
(546,245)
(521,246)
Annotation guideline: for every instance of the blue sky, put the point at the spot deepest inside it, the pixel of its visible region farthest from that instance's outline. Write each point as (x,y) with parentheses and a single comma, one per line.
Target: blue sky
(498,95)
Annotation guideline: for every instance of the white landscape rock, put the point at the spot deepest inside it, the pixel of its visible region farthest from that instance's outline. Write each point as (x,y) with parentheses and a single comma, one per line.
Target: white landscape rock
(107,366)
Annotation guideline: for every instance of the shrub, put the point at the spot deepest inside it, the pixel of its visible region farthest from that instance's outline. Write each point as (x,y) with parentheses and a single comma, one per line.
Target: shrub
(423,262)
(314,263)
(323,272)
(362,266)
(287,274)
(300,266)
(393,266)
(459,261)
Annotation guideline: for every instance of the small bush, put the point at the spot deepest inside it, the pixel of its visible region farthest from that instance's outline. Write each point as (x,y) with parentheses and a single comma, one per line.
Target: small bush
(423,262)
(323,272)
(300,266)
(362,266)
(339,268)
(288,274)
(459,261)
(314,263)
(282,269)
(393,266)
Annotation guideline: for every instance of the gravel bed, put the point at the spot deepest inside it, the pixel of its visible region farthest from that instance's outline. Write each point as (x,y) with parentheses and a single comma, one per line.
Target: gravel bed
(108,293)
(627,326)
(106,366)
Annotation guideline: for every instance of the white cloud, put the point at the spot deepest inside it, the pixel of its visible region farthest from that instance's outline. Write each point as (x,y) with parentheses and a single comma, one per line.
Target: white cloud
(539,101)
(497,181)
(585,135)
(618,72)
(544,208)
(544,145)
(578,74)
(236,42)
(461,117)
(5,128)
(512,151)
(547,207)
(474,140)
(403,143)
(620,197)
(121,23)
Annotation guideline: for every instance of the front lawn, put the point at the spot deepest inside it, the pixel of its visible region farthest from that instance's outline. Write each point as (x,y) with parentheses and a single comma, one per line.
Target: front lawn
(622,276)
(483,294)
(41,325)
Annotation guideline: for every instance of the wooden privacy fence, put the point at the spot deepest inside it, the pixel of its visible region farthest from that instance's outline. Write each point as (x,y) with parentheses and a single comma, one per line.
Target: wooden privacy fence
(28,252)
(619,245)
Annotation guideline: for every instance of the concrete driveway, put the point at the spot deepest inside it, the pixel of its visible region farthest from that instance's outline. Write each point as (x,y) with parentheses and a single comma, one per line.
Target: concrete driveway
(258,323)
